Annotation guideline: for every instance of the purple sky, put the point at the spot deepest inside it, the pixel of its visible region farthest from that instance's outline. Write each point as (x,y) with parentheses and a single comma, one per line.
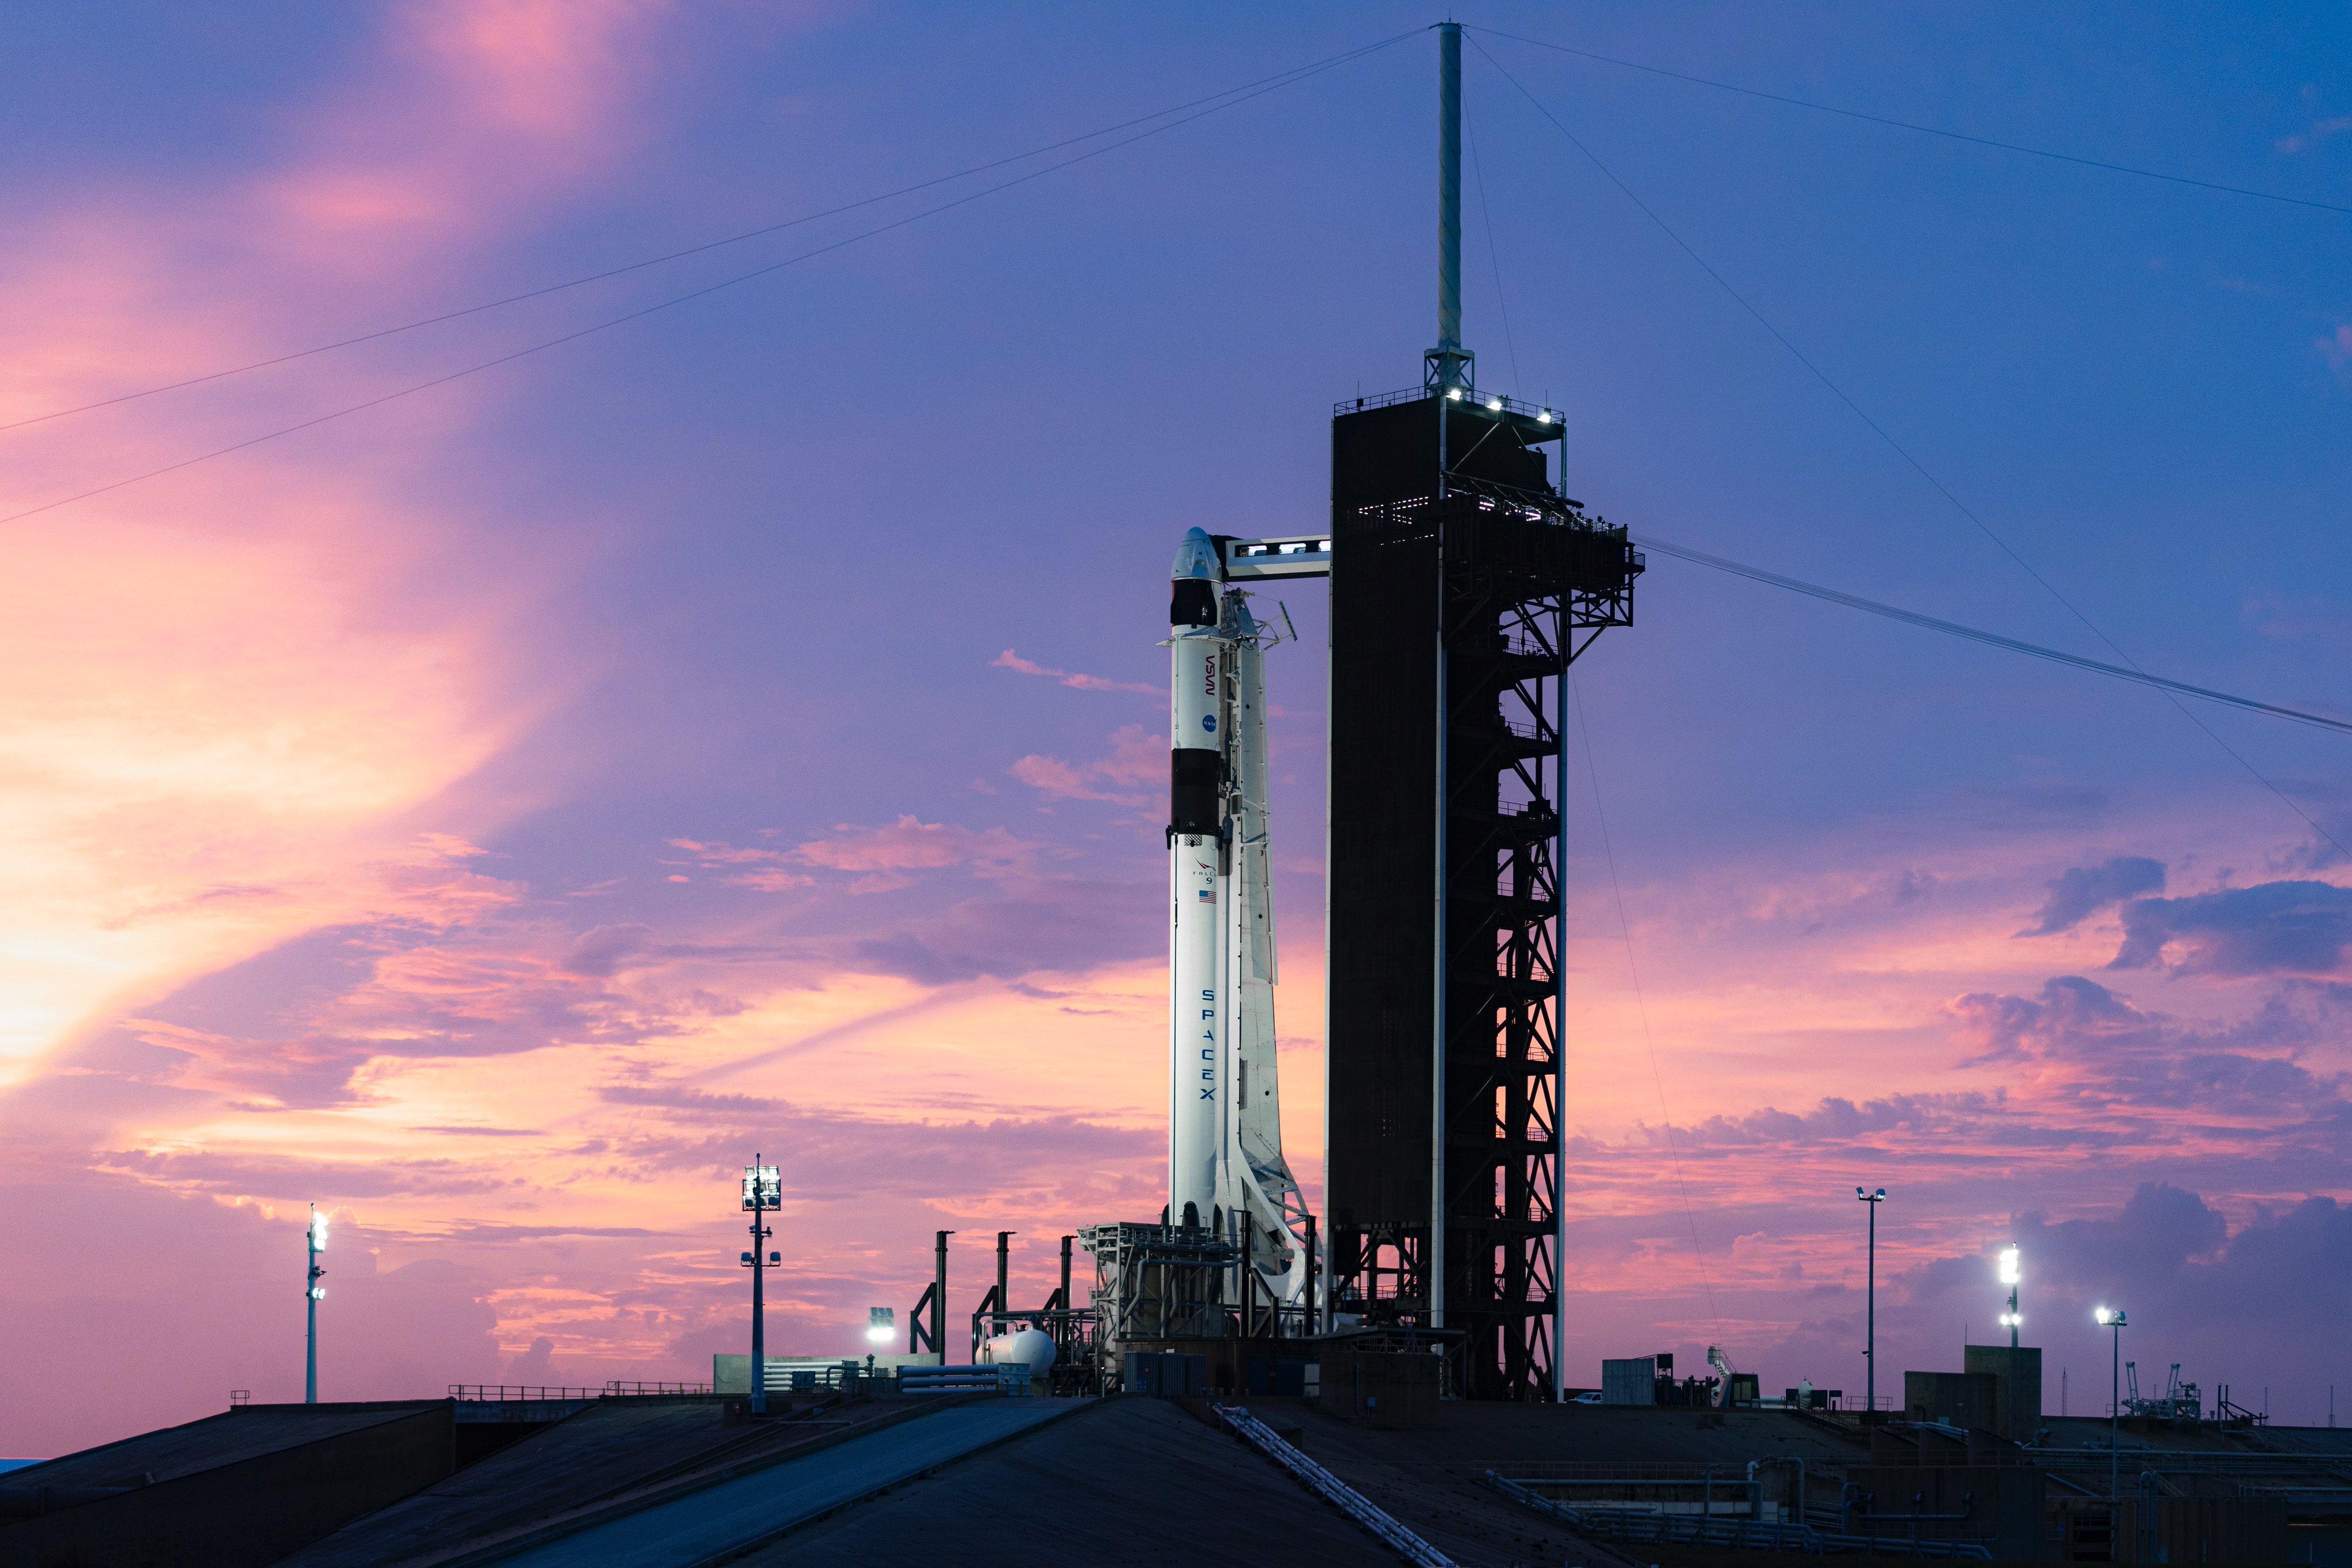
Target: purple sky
(494,813)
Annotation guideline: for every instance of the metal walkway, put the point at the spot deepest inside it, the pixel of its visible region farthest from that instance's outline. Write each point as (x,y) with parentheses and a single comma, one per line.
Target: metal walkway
(1334,1490)
(735,1515)
(1650,1525)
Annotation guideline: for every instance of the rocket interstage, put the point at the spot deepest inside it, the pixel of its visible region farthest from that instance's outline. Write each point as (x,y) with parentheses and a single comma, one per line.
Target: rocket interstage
(1225,1169)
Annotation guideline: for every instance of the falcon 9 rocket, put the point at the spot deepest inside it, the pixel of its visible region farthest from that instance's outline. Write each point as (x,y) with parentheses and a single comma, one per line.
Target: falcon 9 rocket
(1225,1169)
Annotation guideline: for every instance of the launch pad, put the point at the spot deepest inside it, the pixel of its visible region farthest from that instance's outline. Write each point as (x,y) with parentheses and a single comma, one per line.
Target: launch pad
(1464,583)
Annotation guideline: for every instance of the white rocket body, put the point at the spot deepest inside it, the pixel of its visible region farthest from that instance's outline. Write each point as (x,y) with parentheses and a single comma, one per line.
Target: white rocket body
(1196,1111)
(1224,1134)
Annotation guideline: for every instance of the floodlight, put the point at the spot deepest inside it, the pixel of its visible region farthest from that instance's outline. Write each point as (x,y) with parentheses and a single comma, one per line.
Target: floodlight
(1544,418)
(318,1292)
(764,1187)
(2008,1275)
(1455,394)
(880,1324)
(317,1233)
(2012,1319)
(1494,403)
(2102,1317)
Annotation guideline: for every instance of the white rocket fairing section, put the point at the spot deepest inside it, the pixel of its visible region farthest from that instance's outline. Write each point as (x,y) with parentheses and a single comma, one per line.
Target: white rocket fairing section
(1224,1134)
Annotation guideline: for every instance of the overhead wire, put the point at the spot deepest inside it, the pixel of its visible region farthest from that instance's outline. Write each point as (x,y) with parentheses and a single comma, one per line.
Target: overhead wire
(1892,123)
(1895,446)
(1280,79)
(1993,639)
(1657,1074)
(1493,251)
(1266,84)
(1252,88)
(1690,1218)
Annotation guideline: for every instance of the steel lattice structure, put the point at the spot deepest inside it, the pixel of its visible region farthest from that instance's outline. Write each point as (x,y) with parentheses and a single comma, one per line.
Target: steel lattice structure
(1463,587)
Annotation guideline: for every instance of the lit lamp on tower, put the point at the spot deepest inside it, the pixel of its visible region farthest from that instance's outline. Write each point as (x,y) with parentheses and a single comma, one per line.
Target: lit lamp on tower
(764,1191)
(2010,1320)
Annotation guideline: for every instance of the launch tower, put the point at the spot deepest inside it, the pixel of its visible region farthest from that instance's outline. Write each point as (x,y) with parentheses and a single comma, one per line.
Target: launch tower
(1463,584)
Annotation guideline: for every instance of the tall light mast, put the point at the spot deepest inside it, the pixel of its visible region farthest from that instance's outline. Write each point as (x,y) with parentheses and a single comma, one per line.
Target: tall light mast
(313,1294)
(1870,1335)
(763,1190)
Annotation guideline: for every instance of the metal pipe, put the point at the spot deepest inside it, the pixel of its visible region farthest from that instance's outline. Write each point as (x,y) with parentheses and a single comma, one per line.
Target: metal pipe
(1312,1258)
(1249,1277)
(1559,1004)
(939,1296)
(1003,1267)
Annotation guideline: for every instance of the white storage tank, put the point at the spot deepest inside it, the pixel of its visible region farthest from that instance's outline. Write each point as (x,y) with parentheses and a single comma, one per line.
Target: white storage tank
(1033,1347)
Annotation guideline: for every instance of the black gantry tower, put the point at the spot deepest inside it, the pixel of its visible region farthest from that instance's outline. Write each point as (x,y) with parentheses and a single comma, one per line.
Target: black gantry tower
(1463,584)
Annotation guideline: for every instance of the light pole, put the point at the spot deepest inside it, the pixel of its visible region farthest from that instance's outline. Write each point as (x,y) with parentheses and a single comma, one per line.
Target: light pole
(1870,1345)
(313,1294)
(2115,1320)
(2009,1276)
(763,1190)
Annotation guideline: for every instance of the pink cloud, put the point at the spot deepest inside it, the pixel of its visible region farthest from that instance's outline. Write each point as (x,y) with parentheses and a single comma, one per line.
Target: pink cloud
(190,782)
(766,873)
(480,112)
(2335,348)
(909,844)
(770,880)
(1009,660)
(2318,132)
(1137,758)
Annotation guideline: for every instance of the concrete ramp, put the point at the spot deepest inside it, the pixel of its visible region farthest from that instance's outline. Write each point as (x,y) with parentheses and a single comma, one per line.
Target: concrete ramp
(734,1516)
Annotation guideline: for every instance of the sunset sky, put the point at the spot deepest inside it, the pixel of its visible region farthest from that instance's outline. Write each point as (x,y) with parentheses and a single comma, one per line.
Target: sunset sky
(493,813)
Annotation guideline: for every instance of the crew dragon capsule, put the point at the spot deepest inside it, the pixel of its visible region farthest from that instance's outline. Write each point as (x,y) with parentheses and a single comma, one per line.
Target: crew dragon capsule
(1225,1169)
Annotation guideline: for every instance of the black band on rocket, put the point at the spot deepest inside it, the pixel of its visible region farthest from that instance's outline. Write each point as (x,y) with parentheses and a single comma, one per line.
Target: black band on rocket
(1194,778)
